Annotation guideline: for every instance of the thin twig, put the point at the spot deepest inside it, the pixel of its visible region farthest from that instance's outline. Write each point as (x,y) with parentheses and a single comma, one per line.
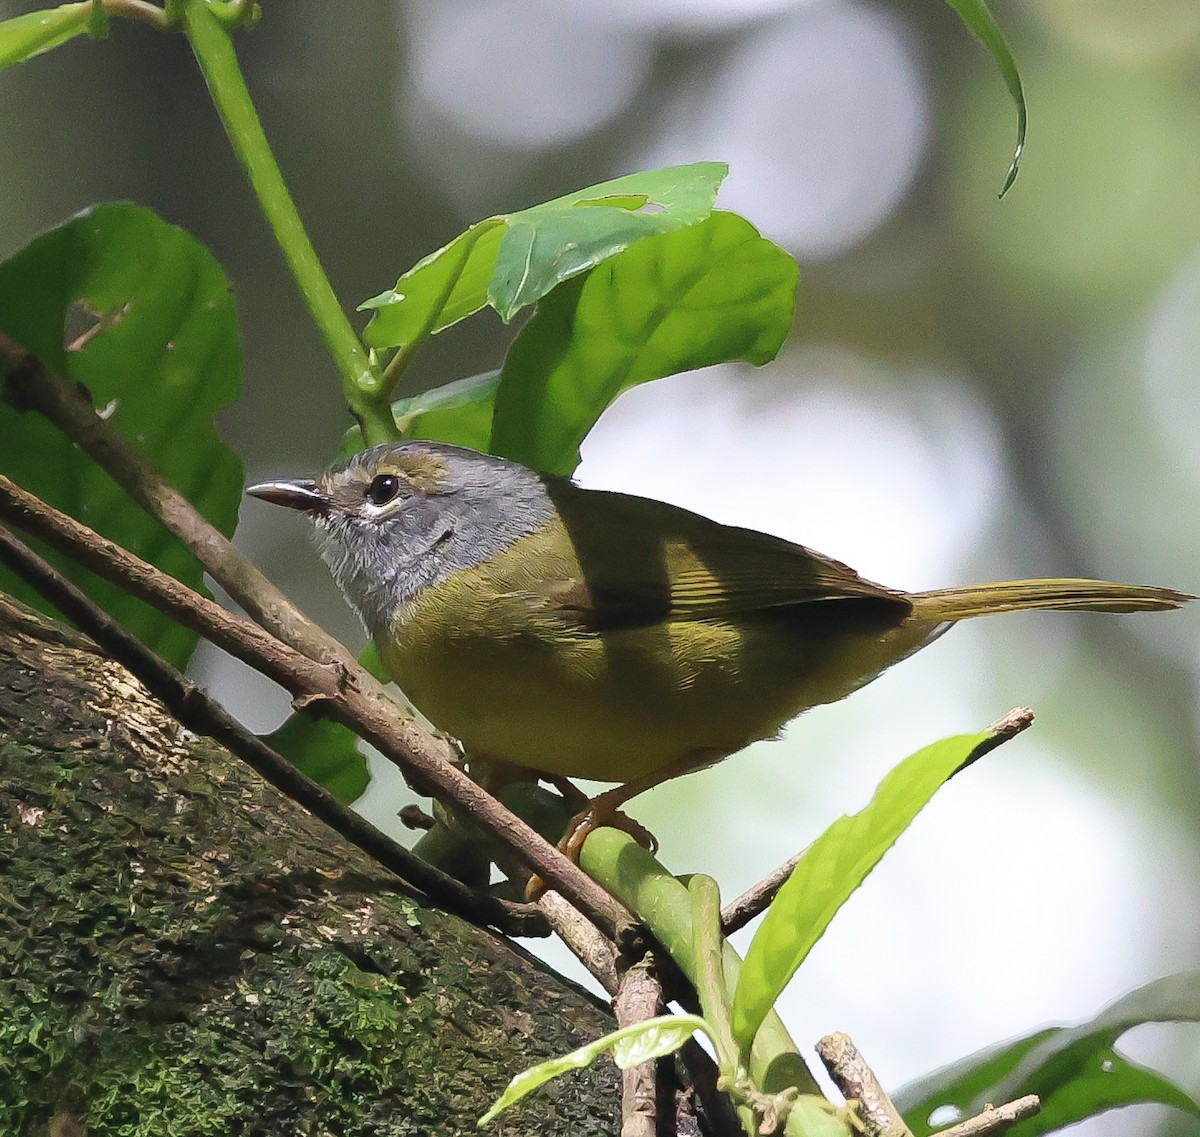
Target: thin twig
(31,385)
(586,942)
(858,1083)
(738,913)
(1005,727)
(347,694)
(994,1118)
(639,998)
(193,709)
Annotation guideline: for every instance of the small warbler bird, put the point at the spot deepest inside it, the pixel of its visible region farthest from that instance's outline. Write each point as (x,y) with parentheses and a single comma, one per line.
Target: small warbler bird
(599,635)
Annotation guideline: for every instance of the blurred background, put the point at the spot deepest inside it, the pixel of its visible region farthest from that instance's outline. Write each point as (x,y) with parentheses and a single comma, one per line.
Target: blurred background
(975,389)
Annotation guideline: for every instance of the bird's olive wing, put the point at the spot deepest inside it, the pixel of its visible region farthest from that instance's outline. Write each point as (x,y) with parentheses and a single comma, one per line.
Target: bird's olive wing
(621,561)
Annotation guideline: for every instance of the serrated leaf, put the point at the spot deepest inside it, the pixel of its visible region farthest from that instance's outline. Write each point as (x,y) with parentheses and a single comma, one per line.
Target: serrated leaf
(707,294)
(1075,1071)
(834,866)
(161,359)
(23,37)
(512,260)
(629,1046)
(326,751)
(979,19)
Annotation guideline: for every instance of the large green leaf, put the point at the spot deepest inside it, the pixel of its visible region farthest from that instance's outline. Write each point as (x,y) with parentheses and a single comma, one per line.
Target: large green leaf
(512,260)
(23,37)
(326,751)
(1074,1070)
(978,17)
(161,357)
(713,292)
(831,869)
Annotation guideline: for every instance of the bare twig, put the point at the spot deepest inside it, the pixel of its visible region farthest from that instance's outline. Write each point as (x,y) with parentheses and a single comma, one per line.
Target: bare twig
(639,998)
(1006,727)
(193,709)
(586,942)
(346,693)
(994,1118)
(738,913)
(31,385)
(857,1083)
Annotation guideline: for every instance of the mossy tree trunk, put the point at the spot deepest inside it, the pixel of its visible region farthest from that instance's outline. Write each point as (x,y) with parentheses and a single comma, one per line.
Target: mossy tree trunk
(185,951)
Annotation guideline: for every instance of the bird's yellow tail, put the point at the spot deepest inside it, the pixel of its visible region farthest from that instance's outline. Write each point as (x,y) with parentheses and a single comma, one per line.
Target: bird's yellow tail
(1064,595)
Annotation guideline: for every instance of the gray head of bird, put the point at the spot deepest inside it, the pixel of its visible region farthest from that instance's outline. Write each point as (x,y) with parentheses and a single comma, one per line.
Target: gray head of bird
(396,518)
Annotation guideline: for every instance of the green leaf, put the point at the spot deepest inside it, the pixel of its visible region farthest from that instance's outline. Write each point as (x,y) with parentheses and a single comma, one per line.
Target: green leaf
(513,260)
(1075,1071)
(706,294)
(23,37)
(160,356)
(326,751)
(459,412)
(98,21)
(835,865)
(978,17)
(630,1046)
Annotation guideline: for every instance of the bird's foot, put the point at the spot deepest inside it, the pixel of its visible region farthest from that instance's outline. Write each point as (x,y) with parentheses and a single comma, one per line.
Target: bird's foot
(596,815)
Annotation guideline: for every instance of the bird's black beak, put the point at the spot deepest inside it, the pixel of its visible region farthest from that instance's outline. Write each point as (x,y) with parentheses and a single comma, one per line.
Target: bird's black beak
(300,494)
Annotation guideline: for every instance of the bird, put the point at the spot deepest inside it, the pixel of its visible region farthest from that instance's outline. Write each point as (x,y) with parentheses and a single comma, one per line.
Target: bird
(588,634)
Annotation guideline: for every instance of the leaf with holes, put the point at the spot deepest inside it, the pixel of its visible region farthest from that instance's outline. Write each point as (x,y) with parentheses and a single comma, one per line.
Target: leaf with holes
(140,313)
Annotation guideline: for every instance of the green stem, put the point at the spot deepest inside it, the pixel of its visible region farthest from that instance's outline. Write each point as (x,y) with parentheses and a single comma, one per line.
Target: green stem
(707,953)
(708,976)
(218,62)
(399,362)
(616,861)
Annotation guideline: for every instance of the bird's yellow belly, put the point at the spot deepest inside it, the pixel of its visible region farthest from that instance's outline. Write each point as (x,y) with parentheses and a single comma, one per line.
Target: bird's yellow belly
(622,704)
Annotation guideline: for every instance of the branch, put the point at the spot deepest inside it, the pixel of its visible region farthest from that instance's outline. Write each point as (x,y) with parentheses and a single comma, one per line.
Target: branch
(584,940)
(994,1118)
(757,898)
(348,693)
(196,711)
(31,385)
(639,998)
(858,1083)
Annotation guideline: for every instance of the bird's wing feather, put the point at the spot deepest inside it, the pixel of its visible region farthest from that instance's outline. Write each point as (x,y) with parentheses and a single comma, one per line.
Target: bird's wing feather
(633,562)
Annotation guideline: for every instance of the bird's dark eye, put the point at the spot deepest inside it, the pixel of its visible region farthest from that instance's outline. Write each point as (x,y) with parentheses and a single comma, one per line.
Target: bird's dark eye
(383,488)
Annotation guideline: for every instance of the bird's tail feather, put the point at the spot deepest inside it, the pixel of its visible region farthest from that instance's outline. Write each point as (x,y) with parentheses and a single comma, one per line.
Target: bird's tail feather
(1061,594)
